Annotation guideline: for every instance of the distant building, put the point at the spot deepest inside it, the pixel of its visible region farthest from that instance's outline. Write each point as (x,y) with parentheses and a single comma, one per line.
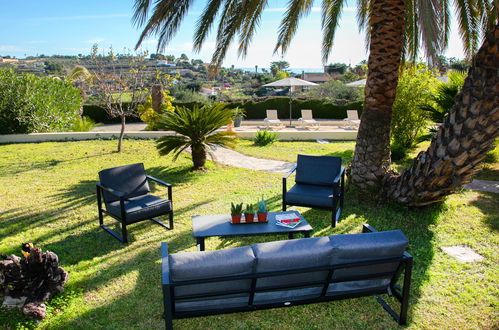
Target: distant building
(316,77)
(8,60)
(164,63)
(208,91)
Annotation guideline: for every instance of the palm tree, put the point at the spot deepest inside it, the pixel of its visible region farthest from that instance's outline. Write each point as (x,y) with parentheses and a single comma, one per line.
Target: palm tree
(196,130)
(394,30)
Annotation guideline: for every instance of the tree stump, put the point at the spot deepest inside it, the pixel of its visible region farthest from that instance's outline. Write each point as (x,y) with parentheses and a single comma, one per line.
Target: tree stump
(37,278)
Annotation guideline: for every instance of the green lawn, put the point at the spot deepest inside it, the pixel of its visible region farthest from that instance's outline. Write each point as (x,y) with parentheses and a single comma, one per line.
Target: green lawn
(48,197)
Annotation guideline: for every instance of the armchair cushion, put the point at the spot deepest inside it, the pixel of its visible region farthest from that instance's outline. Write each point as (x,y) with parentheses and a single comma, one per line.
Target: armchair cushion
(128,179)
(140,208)
(305,194)
(317,170)
(361,247)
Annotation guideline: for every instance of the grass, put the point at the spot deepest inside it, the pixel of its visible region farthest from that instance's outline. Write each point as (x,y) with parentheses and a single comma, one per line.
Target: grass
(48,198)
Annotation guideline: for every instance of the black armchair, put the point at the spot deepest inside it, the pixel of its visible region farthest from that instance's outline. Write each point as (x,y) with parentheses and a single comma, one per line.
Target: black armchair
(320,182)
(125,191)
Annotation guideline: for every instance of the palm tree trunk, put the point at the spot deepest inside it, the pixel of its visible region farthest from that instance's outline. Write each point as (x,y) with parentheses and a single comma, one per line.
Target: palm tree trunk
(461,143)
(372,152)
(198,157)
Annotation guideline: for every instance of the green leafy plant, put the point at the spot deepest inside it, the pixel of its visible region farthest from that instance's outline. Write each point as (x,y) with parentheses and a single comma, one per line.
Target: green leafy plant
(265,137)
(250,209)
(415,86)
(196,129)
(443,100)
(149,116)
(83,124)
(32,104)
(262,206)
(236,209)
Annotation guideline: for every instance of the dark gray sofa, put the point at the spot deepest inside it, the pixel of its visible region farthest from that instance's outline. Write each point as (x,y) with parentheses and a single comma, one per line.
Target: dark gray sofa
(286,273)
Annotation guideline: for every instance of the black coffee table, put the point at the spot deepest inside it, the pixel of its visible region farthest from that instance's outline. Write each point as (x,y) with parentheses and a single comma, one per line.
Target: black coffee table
(219,225)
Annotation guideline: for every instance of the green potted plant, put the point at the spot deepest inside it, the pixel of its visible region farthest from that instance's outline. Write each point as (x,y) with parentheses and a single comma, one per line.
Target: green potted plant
(249,213)
(235,212)
(239,114)
(262,210)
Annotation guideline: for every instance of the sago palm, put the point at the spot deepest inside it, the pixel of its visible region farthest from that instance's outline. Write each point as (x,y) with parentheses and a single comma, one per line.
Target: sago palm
(196,130)
(395,29)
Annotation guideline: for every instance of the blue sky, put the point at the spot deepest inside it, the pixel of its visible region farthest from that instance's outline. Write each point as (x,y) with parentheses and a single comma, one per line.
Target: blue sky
(32,27)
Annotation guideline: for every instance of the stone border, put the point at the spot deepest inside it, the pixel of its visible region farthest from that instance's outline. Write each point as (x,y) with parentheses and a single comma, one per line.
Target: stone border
(79,136)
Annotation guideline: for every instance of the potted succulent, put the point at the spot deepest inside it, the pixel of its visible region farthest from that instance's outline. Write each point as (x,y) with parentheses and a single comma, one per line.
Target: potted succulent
(249,213)
(262,210)
(235,212)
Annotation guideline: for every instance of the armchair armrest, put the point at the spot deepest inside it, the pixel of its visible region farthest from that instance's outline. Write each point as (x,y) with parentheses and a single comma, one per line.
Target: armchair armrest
(290,172)
(340,174)
(113,192)
(165,265)
(166,184)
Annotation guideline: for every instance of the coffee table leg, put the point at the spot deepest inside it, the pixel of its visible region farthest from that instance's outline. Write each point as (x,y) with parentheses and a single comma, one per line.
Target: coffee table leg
(200,243)
(290,235)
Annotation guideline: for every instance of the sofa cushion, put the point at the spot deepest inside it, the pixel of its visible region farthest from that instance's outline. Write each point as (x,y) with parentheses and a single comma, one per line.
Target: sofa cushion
(362,247)
(128,179)
(305,194)
(317,170)
(140,208)
(287,255)
(211,264)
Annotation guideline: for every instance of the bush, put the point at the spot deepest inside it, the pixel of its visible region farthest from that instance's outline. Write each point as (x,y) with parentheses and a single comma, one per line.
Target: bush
(415,87)
(149,116)
(265,137)
(30,104)
(83,124)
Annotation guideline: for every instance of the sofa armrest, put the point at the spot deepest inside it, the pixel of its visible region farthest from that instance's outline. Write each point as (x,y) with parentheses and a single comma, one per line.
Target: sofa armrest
(366,228)
(165,264)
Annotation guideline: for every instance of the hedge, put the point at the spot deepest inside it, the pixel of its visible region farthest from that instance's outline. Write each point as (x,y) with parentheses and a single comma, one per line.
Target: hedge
(321,109)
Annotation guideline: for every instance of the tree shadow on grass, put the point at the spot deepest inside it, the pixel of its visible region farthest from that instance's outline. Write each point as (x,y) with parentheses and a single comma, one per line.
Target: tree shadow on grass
(487,203)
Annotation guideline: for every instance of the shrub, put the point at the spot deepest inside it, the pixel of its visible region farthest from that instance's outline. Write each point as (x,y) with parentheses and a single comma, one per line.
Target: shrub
(265,137)
(151,117)
(416,86)
(83,124)
(30,104)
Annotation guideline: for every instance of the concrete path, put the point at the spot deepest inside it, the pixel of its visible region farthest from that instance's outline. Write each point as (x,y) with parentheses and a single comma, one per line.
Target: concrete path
(234,158)
(483,185)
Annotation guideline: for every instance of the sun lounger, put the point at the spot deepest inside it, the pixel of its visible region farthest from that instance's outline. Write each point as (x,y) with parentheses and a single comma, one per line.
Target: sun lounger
(272,119)
(307,119)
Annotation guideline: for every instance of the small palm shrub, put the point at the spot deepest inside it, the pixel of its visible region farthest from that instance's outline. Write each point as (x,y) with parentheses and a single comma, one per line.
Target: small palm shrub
(265,137)
(196,129)
(83,124)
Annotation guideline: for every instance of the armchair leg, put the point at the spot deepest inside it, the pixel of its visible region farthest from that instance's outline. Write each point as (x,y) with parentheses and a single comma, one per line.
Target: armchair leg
(334,213)
(170,217)
(162,224)
(110,231)
(124,233)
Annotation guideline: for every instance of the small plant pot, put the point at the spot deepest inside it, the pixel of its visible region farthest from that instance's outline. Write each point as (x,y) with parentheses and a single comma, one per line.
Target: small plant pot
(249,217)
(230,127)
(262,217)
(236,218)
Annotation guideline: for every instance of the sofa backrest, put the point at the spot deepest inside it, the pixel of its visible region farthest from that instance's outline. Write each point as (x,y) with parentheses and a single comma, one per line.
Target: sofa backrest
(363,247)
(212,264)
(288,255)
(128,179)
(317,170)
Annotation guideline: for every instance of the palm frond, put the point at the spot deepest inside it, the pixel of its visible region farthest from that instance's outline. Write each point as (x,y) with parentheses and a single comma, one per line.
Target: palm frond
(428,18)
(251,21)
(468,25)
(172,144)
(296,10)
(140,8)
(205,22)
(331,11)
(165,20)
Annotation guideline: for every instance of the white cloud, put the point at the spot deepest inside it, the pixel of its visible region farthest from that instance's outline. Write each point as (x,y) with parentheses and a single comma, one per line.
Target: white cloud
(10,48)
(95,40)
(80,17)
